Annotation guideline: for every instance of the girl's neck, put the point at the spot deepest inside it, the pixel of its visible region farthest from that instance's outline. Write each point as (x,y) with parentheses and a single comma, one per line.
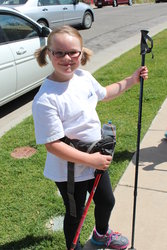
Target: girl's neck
(60,78)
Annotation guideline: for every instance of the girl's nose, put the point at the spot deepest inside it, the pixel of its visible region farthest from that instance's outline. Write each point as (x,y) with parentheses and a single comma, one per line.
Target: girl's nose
(67,56)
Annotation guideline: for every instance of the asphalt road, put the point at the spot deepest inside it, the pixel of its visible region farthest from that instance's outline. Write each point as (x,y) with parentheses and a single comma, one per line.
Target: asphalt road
(112,26)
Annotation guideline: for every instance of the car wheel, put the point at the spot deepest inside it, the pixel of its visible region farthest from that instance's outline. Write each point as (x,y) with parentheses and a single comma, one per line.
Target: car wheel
(43,23)
(115,4)
(87,20)
(130,2)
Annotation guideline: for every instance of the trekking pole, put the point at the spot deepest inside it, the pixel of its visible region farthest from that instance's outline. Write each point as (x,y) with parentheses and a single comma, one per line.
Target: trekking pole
(97,179)
(144,49)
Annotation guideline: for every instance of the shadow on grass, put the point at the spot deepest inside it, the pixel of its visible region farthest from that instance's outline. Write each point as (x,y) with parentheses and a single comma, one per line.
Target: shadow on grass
(123,156)
(28,241)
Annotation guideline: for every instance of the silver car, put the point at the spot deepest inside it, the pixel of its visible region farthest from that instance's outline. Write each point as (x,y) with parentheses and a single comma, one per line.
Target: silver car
(52,13)
(20,37)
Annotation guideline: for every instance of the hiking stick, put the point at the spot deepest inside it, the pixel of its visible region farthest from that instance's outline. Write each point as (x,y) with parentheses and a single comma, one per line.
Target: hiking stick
(97,179)
(144,49)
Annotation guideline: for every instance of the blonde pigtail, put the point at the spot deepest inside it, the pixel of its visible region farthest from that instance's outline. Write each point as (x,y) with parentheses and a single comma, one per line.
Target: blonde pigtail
(40,55)
(86,54)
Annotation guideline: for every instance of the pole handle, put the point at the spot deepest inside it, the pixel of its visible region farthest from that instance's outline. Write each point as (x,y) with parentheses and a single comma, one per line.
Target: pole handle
(144,48)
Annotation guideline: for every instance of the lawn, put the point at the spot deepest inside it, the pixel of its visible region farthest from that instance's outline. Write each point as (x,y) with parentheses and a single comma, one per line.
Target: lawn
(28,200)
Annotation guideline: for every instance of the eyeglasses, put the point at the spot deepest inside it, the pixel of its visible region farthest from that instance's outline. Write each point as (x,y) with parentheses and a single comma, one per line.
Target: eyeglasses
(61,54)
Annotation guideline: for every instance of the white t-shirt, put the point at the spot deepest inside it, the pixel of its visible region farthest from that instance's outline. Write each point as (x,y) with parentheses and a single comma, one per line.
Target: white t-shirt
(67,109)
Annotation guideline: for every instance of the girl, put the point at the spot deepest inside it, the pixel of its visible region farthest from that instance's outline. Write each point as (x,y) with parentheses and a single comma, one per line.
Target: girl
(66,106)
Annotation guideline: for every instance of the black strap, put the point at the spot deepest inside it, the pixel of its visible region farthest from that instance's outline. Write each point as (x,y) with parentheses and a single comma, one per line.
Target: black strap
(70,180)
(70,189)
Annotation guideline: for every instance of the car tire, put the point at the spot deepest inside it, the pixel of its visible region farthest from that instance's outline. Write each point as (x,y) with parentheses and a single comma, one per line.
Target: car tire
(115,4)
(130,2)
(87,20)
(43,23)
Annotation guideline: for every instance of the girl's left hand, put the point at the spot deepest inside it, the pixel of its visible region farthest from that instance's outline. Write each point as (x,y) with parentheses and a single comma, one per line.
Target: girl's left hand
(141,72)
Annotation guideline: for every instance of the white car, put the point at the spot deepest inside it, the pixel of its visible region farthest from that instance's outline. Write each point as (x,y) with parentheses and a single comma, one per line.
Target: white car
(52,13)
(20,37)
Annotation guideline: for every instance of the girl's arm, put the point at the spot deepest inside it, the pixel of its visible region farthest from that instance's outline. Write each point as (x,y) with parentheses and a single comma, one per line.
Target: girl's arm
(118,88)
(68,153)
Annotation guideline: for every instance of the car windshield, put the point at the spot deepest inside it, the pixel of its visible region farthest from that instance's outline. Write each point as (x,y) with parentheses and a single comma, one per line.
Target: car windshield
(12,2)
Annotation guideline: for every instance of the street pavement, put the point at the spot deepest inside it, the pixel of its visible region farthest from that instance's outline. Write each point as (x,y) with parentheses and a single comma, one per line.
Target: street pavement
(151,212)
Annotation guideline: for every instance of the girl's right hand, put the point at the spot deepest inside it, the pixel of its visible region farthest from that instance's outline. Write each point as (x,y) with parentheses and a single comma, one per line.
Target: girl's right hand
(100,162)
(68,153)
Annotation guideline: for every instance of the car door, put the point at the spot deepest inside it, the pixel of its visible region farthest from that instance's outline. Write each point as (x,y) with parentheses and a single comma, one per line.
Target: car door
(7,67)
(49,10)
(46,12)
(73,14)
(23,41)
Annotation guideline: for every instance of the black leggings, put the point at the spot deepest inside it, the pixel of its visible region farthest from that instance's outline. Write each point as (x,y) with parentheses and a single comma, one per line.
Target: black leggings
(104,202)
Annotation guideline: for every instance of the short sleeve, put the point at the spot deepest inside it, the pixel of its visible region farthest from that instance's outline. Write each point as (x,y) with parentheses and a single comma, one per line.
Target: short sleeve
(48,126)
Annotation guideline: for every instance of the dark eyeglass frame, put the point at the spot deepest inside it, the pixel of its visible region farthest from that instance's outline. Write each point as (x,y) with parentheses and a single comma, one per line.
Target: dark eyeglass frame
(61,54)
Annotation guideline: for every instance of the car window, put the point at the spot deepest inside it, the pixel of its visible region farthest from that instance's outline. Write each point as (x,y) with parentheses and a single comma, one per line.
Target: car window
(3,37)
(13,2)
(66,2)
(15,28)
(48,2)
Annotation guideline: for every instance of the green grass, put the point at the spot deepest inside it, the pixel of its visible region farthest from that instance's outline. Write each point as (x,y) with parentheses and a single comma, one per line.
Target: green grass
(143,1)
(28,200)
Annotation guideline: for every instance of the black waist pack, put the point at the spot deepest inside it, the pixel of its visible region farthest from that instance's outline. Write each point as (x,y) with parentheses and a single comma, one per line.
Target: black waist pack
(104,146)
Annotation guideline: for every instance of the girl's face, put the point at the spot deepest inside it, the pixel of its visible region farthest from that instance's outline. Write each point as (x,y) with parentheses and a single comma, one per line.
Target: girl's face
(65,55)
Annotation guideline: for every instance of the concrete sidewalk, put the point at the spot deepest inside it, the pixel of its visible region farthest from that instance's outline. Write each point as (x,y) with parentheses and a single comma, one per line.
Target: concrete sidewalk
(151,212)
